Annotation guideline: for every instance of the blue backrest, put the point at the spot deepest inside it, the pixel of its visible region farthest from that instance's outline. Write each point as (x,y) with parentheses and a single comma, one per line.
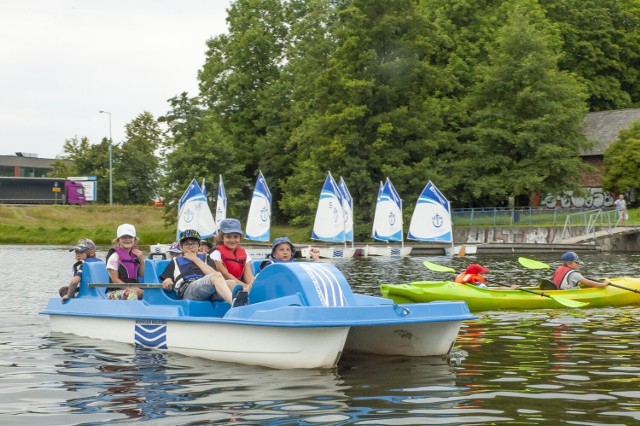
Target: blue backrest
(93,272)
(317,283)
(255,266)
(153,268)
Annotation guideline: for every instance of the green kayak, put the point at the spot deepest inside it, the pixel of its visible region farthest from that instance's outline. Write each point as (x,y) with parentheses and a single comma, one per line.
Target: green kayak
(480,299)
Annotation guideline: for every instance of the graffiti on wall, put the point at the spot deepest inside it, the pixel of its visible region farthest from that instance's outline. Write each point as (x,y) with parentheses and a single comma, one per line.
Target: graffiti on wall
(598,198)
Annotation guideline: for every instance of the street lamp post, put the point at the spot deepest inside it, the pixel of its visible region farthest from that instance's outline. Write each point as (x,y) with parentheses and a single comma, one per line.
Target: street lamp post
(110,160)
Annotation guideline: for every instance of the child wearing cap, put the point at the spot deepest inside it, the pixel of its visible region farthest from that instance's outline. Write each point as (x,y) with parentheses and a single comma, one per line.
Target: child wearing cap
(567,277)
(193,275)
(85,252)
(175,250)
(474,274)
(125,264)
(231,259)
(283,250)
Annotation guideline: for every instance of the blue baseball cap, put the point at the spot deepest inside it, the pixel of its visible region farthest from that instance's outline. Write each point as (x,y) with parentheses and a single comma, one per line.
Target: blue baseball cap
(230,226)
(282,240)
(571,256)
(84,245)
(175,248)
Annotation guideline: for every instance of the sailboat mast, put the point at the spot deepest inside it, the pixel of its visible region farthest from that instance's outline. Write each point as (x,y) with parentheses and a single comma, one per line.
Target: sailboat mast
(451,219)
(401,227)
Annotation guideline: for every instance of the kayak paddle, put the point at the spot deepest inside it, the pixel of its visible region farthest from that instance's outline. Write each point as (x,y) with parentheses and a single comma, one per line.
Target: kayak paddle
(563,301)
(624,288)
(438,268)
(532,264)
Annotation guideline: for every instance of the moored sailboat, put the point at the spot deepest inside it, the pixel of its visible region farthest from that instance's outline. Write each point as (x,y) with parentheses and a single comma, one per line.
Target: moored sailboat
(431,221)
(329,224)
(387,223)
(259,220)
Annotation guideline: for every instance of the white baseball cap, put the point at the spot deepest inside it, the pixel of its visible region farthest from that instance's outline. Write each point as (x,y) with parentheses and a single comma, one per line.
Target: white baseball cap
(126,229)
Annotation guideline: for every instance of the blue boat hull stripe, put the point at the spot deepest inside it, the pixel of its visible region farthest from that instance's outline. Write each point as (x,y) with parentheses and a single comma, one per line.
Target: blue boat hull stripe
(151,335)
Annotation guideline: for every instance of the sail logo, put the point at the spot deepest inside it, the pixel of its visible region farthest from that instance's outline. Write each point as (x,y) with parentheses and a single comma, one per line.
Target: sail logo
(437,220)
(392,219)
(151,334)
(188,215)
(264,213)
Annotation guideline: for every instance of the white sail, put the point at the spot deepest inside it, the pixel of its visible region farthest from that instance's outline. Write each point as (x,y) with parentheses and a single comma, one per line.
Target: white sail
(387,221)
(221,204)
(329,222)
(194,212)
(259,220)
(431,220)
(347,208)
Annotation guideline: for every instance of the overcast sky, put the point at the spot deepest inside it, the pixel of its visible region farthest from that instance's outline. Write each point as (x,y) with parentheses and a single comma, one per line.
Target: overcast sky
(62,61)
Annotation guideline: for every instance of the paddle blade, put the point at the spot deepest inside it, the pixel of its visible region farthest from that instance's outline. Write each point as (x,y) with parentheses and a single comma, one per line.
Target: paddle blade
(568,302)
(462,252)
(437,268)
(532,264)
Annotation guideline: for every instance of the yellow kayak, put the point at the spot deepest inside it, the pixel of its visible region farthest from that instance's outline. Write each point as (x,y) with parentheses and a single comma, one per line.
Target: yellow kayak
(480,299)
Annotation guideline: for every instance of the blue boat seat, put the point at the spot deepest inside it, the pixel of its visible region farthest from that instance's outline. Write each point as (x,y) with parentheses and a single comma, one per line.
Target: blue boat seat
(92,273)
(153,268)
(316,283)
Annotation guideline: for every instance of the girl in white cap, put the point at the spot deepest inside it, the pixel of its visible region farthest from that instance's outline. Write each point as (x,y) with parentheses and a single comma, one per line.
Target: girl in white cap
(125,264)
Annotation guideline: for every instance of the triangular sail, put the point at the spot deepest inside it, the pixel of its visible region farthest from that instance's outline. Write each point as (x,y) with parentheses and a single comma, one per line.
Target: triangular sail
(259,221)
(431,220)
(347,208)
(194,212)
(221,204)
(329,223)
(387,221)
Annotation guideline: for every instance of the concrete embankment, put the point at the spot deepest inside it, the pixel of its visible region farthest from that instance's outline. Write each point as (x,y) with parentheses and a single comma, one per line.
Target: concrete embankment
(505,240)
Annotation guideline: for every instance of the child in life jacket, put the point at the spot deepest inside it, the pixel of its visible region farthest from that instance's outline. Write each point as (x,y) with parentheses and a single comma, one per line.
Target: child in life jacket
(125,264)
(85,252)
(474,274)
(232,260)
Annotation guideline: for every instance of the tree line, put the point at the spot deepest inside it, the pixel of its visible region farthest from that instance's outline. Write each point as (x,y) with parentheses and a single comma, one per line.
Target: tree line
(484,98)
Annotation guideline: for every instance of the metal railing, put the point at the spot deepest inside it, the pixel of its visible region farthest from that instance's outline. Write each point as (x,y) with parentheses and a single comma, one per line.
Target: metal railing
(503,216)
(590,221)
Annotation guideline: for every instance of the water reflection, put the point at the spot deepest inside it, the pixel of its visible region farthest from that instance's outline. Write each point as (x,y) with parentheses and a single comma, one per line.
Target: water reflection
(546,366)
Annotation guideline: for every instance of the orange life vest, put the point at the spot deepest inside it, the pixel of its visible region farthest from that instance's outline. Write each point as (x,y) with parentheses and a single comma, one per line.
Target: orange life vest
(233,261)
(465,278)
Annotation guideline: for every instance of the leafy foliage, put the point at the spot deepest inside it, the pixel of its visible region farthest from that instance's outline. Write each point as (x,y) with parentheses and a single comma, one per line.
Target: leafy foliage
(485,98)
(622,162)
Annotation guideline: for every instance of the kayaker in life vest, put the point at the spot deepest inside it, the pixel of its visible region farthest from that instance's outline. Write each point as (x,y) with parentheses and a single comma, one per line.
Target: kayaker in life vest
(567,277)
(473,275)
(230,258)
(125,264)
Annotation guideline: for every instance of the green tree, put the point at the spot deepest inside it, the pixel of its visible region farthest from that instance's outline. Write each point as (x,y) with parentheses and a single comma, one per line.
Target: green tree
(602,46)
(241,88)
(195,148)
(136,166)
(528,114)
(622,161)
(372,112)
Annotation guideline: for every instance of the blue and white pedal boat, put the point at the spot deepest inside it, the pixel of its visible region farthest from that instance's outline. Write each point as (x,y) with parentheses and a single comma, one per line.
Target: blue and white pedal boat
(300,315)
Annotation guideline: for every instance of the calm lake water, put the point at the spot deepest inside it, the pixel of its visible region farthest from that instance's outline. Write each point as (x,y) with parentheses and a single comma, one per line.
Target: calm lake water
(508,367)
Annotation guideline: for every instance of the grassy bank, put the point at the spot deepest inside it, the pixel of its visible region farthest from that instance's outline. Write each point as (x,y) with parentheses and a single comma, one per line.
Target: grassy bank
(67,224)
